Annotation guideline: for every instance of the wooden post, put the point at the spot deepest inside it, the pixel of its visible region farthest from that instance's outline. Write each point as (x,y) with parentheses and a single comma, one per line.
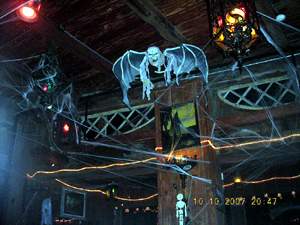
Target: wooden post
(203,202)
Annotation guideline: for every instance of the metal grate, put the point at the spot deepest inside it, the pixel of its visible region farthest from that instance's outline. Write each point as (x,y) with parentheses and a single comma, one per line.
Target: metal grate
(121,121)
(259,95)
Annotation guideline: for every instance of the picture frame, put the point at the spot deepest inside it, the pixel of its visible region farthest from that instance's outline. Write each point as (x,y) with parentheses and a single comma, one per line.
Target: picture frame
(73,204)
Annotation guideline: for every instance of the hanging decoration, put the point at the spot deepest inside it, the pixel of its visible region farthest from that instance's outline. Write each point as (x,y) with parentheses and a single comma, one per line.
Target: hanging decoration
(46,72)
(178,60)
(181,209)
(234,25)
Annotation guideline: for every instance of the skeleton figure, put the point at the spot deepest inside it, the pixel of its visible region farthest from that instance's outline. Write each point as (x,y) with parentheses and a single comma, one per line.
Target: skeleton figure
(181,211)
(178,60)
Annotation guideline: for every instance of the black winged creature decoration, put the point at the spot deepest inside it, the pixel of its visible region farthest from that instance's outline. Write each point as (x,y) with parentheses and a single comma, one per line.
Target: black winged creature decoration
(177,60)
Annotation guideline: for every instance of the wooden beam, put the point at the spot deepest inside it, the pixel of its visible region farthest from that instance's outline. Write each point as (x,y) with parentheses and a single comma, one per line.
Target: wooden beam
(150,14)
(70,43)
(244,118)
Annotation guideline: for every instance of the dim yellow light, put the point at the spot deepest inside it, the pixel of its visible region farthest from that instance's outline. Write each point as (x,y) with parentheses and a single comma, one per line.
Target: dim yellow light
(158,148)
(221,38)
(253,33)
(237,180)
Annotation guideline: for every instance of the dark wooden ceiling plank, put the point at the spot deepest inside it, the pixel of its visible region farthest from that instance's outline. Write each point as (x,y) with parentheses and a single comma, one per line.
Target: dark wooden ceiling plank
(67,42)
(244,118)
(150,14)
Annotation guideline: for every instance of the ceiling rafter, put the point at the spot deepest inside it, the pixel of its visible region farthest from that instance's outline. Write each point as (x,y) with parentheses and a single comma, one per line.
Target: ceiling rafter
(70,43)
(151,15)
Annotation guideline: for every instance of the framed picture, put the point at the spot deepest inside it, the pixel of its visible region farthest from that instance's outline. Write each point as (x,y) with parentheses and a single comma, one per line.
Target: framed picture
(179,126)
(73,204)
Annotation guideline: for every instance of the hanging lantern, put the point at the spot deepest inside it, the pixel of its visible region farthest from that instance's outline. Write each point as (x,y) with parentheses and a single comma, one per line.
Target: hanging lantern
(234,25)
(29,12)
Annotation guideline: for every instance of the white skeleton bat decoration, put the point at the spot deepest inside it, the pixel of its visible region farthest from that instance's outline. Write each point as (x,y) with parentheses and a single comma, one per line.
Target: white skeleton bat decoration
(178,60)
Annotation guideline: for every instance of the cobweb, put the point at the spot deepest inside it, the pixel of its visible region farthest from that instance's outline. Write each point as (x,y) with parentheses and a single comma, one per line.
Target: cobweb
(19,83)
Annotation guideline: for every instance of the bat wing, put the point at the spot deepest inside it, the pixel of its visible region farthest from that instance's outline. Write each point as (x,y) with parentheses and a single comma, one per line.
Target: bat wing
(185,58)
(126,69)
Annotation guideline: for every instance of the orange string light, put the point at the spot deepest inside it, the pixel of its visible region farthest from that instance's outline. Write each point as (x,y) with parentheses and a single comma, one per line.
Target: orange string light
(104,193)
(81,189)
(265,141)
(249,143)
(90,168)
(156,194)
(208,142)
(263,181)
(136,199)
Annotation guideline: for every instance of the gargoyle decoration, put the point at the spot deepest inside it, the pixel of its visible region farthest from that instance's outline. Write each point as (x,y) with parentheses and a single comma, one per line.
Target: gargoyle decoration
(177,60)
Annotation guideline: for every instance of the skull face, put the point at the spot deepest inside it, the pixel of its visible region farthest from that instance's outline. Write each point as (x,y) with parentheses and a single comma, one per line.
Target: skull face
(155,56)
(179,197)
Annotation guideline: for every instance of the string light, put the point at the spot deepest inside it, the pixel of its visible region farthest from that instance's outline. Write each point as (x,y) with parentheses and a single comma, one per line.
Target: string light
(263,181)
(104,193)
(137,199)
(156,194)
(237,180)
(81,189)
(265,141)
(90,168)
(249,143)
(209,142)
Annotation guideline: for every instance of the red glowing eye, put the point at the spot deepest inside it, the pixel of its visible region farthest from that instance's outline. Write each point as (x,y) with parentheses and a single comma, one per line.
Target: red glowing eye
(66,128)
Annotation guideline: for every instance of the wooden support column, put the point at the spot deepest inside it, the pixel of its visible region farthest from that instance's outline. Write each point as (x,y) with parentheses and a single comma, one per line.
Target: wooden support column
(203,200)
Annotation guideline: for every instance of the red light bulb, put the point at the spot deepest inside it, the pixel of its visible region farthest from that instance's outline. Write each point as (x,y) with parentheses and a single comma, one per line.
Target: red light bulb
(45,88)
(66,128)
(29,12)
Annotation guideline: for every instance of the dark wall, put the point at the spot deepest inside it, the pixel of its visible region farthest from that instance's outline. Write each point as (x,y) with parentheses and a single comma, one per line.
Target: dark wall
(7,113)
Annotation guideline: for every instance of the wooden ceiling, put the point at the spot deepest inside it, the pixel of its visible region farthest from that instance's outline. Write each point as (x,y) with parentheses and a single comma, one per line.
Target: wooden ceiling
(111,27)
